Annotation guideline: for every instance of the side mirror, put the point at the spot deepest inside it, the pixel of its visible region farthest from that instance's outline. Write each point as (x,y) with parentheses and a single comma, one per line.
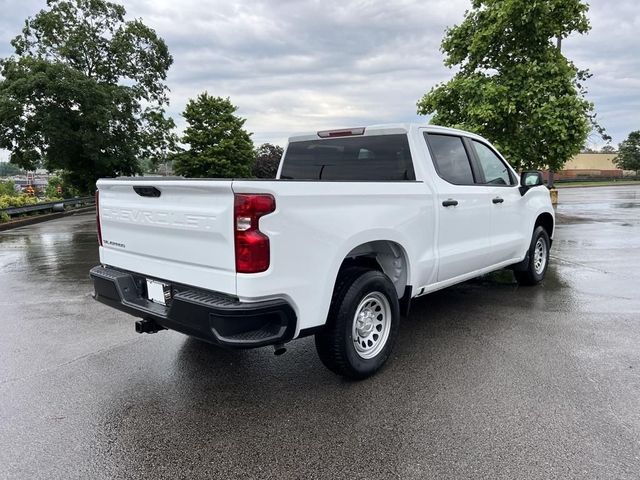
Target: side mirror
(530,179)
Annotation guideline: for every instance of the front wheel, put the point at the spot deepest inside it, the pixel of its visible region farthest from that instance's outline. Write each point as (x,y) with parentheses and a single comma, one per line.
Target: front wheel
(362,326)
(538,259)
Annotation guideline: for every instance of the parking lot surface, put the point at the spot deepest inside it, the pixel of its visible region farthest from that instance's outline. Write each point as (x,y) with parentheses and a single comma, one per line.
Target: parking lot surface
(487,380)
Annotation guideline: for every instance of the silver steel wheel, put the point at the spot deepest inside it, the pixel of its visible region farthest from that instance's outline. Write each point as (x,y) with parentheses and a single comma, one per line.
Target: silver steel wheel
(371,325)
(540,256)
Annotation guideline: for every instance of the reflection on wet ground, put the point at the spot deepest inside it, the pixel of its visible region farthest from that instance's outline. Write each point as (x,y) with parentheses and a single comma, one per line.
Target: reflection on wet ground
(488,379)
(601,204)
(52,253)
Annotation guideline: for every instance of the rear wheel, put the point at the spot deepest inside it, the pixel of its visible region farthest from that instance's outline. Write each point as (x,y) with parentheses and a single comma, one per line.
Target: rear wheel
(538,259)
(362,325)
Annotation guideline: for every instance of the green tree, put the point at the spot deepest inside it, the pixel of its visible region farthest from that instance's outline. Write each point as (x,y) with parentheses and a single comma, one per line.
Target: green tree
(7,169)
(608,149)
(83,91)
(513,84)
(267,160)
(159,140)
(629,153)
(219,147)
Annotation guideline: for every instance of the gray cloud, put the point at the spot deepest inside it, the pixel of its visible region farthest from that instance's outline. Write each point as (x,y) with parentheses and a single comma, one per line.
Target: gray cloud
(294,66)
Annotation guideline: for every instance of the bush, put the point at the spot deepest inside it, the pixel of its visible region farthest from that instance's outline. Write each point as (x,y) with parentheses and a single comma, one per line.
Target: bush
(5,201)
(7,187)
(4,217)
(52,187)
(22,200)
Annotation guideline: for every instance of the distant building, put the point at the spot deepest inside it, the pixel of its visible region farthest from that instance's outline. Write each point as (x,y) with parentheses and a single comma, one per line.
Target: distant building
(590,165)
(37,182)
(592,161)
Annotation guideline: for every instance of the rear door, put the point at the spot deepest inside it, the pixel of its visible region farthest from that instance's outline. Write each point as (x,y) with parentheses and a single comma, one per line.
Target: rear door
(464,219)
(176,230)
(506,214)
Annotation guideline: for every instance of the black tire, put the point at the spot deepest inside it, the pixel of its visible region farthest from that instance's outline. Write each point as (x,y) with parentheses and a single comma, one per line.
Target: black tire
(531,275)
(335,344)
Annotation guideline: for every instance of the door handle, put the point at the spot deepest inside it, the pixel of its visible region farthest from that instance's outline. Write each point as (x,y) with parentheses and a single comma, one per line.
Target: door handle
(498,200)
(450,203)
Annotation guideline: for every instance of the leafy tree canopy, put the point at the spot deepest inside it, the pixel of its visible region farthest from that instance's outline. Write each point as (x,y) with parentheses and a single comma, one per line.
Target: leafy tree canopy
(83,92)
(608,149)
(158,139)
(629,153)
(513,86)
(219,147)
(267,160)
(7,169)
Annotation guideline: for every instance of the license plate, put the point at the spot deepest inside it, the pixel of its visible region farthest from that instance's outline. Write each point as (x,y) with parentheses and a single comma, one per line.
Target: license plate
(158,292)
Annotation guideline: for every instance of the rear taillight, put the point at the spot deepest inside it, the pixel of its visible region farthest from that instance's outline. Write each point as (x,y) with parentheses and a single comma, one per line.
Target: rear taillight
(98,217)
(252,246)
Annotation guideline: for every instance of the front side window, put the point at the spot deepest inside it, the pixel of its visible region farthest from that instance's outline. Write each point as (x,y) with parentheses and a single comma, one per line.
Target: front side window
(494,169)
(450,158)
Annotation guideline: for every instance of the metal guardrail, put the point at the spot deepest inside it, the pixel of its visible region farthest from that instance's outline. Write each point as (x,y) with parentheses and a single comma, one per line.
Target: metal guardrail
(57,206)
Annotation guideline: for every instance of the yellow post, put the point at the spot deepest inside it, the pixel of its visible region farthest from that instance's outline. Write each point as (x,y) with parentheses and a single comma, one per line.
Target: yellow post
(554,196)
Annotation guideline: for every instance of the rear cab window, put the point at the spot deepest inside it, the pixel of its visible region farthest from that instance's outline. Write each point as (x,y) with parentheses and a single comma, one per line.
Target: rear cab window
(356,158)
(450,158)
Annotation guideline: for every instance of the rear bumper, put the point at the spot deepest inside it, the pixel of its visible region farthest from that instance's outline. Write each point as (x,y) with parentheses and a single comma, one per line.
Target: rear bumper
(210,316)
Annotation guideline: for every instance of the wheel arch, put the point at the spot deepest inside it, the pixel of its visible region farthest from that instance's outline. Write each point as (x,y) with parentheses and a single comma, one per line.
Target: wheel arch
(387,256)
(546,221)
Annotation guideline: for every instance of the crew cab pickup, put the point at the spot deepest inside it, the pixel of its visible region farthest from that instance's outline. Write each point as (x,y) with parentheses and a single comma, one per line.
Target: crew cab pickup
(356,223)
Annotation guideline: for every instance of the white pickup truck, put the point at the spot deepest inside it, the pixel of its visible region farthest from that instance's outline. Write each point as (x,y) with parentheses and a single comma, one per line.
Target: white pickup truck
(357,223)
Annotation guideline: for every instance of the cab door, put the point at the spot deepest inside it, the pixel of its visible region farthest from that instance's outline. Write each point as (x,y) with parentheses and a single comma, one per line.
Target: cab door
(507,227)
(464,208)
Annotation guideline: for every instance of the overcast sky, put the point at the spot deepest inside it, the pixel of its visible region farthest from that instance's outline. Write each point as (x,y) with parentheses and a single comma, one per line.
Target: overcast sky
(293,65)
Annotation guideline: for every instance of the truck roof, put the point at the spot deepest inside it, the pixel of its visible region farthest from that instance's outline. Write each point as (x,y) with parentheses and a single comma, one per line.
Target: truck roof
(380,129)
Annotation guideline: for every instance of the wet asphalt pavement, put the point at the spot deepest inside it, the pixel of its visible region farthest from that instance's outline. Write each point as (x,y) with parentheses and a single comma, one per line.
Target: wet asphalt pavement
(488,380)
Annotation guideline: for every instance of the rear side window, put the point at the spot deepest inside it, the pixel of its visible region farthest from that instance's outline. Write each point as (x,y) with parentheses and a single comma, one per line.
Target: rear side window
(362,158)
(450,158)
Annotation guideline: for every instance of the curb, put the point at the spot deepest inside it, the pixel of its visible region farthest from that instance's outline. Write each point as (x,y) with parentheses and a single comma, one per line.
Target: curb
(24,222)
(620,184)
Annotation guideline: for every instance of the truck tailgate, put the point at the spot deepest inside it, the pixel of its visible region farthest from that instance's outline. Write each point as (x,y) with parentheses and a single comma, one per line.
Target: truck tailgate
(177,230)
